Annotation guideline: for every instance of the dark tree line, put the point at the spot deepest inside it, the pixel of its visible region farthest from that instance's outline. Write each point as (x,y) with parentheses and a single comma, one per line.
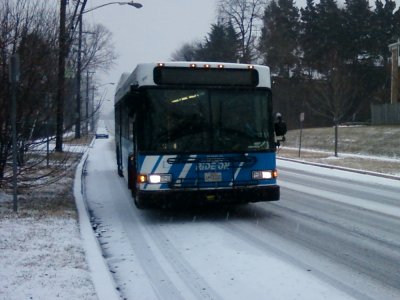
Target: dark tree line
(30,28)
(328,60)
(25,29)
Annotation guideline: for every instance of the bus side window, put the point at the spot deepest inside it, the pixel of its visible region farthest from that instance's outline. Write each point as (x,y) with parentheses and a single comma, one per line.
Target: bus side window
(131,126)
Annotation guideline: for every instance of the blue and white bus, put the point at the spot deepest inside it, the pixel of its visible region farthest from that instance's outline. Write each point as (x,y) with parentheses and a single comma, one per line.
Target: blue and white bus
(192,132)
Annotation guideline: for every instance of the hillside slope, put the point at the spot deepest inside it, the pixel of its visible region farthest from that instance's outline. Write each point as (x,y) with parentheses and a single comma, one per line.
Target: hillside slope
(372,148)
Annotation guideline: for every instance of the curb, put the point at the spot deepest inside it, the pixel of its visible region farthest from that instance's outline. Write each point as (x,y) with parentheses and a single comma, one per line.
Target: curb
(102,279)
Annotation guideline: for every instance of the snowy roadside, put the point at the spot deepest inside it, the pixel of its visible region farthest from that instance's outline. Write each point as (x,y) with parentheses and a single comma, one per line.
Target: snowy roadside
(43,253)
(42,258)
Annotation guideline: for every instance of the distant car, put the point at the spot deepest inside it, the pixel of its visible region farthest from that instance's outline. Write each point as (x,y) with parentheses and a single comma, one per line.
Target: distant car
(101,133)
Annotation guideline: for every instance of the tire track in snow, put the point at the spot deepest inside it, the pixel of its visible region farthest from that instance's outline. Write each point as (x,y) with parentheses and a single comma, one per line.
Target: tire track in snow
(182,267)
(256,241)
(147,257)
(304,251)
(171,276)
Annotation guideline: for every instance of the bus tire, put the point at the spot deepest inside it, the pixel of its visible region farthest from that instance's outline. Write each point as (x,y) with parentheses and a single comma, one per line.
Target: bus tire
(137,201)
(131,175)
(119,165)
(140,204)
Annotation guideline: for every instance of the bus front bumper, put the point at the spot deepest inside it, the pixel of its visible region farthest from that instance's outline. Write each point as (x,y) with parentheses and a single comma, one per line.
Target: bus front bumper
(219,196)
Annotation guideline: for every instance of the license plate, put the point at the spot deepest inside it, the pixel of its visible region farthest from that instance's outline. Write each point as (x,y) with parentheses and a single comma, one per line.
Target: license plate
(213,177)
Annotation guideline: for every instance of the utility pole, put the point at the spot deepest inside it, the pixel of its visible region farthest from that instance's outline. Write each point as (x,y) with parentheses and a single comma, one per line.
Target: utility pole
(14,78)
(62,53)
(78,83)
(87,103)
(62,57)
(394,94)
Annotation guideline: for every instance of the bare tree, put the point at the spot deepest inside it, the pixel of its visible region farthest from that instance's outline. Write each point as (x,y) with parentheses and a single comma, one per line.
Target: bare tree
(28,28)
(20,30)
(98,52)
(334,96)
(187,52)
(245,16)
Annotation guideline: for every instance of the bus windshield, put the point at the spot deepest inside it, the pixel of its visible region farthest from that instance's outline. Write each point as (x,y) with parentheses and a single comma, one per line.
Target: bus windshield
(206,120)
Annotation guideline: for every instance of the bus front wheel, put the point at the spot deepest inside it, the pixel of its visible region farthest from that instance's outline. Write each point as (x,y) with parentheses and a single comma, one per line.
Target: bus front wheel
(139,204)
(119,164)
(131,174)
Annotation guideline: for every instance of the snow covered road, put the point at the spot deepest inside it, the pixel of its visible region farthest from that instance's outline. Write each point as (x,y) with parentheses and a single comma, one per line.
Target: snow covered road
(332,236)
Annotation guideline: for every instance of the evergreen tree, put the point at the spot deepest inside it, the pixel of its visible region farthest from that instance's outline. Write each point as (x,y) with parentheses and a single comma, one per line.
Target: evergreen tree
(383,30)
(221,45)
(329,34)
(279,42)
(383,33)
(187,52)
(308,31)
(357,25)
(396,24)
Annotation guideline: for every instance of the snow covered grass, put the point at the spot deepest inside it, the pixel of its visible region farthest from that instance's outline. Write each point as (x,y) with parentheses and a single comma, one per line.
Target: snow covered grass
(367,140)
(371,148)
(42,258)
(41,253)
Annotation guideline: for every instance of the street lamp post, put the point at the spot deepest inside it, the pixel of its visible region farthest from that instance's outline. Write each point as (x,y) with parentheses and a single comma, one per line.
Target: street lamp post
(79,61)
(61,76)
(131,3)
(87,102)
(78,82)
(14,79)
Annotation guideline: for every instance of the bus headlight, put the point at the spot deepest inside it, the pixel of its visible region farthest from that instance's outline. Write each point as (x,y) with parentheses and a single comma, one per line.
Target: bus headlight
(267,174)
(159,178)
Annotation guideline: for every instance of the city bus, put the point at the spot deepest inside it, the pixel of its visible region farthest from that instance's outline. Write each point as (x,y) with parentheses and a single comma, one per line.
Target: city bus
(196,132)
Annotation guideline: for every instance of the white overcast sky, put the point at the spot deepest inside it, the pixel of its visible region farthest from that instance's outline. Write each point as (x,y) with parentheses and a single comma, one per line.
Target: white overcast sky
(154,32)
